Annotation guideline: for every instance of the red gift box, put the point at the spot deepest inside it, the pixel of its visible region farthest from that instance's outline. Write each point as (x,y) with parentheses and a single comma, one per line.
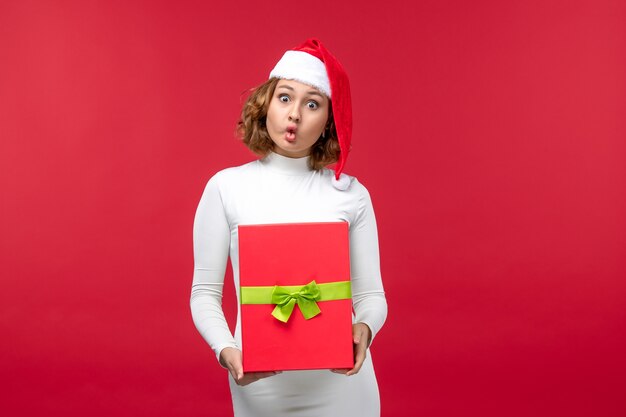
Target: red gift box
(293,255)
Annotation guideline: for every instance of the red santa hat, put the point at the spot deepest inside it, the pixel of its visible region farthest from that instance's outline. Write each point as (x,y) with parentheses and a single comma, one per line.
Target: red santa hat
(311,63)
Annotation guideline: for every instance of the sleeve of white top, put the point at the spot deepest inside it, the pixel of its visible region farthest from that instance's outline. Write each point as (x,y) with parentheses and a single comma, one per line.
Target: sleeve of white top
(211,241)
(368,295)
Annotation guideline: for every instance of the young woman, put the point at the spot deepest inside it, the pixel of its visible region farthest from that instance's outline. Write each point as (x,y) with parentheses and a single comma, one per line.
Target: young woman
(298,121)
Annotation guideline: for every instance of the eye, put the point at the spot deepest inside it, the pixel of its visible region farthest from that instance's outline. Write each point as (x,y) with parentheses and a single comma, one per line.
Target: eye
(284,98)
(313,105)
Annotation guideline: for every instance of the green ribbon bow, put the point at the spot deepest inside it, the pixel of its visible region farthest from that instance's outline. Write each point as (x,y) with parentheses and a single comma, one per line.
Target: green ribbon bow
(286,297)
(285,301)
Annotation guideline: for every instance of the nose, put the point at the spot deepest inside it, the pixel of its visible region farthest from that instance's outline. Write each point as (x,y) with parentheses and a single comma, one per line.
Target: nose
(294,114)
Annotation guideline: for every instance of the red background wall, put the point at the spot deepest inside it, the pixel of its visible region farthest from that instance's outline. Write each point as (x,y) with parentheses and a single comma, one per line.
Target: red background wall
(489,133)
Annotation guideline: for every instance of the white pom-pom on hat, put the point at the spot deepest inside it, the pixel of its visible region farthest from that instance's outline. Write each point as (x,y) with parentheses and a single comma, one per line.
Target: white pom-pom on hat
(342,183)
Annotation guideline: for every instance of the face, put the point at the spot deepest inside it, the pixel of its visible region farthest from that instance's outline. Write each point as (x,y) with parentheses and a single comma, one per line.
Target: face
(296,117)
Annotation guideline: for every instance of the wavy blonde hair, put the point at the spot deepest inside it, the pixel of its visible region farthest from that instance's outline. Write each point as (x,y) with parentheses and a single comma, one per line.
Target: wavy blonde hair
(253,131)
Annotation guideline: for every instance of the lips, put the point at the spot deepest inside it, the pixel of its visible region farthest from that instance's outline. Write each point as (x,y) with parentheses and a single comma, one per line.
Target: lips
(290,133)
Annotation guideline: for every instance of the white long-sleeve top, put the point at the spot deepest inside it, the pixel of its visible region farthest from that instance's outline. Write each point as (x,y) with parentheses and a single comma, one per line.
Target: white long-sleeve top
(278,189)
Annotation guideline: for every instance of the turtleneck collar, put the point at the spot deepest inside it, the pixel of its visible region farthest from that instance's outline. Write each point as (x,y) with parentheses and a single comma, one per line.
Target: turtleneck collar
(286,165)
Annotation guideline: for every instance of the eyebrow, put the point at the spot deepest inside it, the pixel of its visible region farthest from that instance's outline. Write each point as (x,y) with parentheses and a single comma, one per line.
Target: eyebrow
(310,92)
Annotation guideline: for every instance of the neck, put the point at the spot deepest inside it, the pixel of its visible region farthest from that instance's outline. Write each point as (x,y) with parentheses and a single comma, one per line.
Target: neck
(287,165)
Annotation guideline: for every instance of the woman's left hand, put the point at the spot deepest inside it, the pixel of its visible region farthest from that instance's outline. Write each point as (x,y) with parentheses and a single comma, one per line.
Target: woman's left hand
(361,337)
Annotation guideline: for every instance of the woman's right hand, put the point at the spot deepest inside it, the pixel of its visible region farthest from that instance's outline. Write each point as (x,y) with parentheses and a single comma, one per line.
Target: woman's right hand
(230,358)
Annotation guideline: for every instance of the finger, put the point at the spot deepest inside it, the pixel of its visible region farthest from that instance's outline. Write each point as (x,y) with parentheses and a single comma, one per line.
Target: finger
(359,358)
(236,373)
(244,381)
(339,371)
(247,379)
(357,365)
(251,377)
(259,375)
(238,370)
(362,332)
(356,369)
(235,368)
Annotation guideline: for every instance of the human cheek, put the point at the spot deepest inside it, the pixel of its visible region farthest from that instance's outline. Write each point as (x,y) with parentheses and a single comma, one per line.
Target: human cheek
(320,122)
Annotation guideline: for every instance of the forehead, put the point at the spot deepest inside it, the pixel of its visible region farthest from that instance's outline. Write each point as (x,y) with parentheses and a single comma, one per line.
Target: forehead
(299,87)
